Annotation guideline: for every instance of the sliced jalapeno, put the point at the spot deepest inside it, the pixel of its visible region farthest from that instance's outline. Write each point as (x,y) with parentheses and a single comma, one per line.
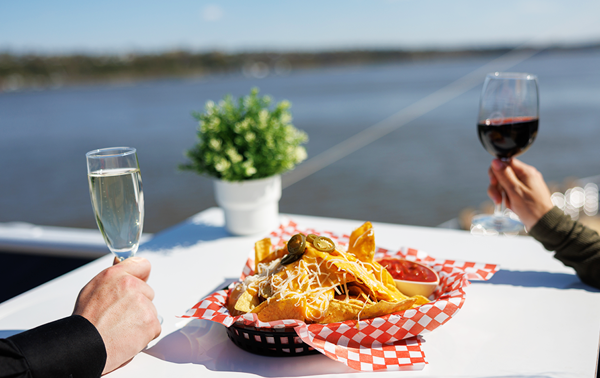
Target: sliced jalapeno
(323,244)
(311,237)
(297,244)
(289,258)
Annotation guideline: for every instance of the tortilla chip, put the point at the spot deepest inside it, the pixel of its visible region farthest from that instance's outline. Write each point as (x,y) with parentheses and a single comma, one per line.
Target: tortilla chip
(282,309)
(262,249)
(263,254)
(234,295)
(247,302)
(340,310)
(383,274)
(260,307)
(384,308)
(362,243)
(419,300)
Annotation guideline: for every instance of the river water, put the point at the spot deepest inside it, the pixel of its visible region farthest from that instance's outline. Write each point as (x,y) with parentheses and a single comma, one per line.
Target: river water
(423,173)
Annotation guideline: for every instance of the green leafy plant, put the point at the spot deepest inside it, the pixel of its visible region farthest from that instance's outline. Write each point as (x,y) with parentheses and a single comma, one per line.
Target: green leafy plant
(245,139)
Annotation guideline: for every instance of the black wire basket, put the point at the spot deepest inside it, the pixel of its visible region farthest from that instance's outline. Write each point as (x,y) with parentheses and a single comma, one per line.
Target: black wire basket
(274,342)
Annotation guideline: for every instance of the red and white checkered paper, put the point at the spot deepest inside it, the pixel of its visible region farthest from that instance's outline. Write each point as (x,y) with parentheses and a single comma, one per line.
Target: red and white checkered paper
(390,342)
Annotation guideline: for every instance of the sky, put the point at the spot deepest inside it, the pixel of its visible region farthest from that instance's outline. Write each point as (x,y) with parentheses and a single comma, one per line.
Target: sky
(111,26)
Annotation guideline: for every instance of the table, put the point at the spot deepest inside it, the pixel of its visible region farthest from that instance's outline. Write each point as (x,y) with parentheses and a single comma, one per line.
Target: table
(533,318)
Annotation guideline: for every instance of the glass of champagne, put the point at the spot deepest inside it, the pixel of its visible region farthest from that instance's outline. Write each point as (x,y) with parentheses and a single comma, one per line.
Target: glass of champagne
(507,125)
(117,198)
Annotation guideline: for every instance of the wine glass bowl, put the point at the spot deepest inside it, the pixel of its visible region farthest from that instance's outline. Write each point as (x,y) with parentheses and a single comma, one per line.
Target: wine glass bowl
(507,125)
(117,197)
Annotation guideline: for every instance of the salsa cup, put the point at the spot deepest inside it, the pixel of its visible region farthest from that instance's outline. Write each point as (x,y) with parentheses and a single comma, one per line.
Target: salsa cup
(423,282)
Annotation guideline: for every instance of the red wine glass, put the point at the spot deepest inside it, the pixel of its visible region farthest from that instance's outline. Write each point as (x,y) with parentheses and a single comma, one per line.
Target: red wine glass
(507,125)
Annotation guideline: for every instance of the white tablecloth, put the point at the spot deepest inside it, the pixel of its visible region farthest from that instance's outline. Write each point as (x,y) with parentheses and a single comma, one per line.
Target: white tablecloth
(534,318)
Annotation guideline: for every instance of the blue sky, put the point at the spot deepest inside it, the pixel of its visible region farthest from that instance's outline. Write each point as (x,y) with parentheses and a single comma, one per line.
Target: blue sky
(62,26)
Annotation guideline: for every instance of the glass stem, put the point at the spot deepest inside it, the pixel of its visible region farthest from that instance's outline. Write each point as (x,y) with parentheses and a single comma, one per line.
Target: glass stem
(499,208)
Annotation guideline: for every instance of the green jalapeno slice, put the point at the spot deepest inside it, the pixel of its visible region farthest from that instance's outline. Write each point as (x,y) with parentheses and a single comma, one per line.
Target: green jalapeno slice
(297,244)
(311,237)
(289,258)
(323,244)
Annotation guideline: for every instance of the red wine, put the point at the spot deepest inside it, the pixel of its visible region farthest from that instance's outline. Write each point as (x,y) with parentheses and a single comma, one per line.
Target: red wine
(508,137)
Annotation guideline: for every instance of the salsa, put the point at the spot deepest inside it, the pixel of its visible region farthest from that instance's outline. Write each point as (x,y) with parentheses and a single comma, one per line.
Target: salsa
(408,270)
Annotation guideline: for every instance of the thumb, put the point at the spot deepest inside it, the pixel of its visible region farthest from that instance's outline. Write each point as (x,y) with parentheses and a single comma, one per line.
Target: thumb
(136,266)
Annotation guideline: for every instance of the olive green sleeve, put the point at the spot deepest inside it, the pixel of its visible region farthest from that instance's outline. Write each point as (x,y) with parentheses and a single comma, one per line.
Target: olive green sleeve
(575,245)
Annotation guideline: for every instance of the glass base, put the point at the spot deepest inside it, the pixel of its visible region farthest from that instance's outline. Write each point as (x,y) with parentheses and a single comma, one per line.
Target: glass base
(492,225)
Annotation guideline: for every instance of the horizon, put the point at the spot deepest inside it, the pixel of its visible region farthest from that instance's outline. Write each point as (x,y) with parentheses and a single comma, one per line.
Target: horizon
(474,49)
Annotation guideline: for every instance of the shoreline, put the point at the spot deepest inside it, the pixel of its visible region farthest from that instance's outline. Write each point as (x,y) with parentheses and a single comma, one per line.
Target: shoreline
(23,72)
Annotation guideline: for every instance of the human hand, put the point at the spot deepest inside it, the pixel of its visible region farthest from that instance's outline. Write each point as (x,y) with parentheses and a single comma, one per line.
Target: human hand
(526,191)
(118,302)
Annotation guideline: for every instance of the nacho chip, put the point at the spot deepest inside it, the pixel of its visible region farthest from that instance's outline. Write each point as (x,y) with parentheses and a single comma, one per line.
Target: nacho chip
(383,308)
(234,295)
(362,243)
(419,300)
(282,309)
(246,302)
(262,249)
(260,307)
(340,310)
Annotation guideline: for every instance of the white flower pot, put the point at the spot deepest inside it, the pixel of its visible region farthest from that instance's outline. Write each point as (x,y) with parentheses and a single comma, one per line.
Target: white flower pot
(250,206)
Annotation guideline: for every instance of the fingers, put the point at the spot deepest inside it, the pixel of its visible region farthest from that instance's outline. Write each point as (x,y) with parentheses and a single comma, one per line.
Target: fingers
(522,171)
(135,284)
(136,266)
(507,178)
(493,179)
(494,193)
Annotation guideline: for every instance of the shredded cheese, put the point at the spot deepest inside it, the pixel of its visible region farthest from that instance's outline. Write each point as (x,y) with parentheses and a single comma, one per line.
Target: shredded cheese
(311,284)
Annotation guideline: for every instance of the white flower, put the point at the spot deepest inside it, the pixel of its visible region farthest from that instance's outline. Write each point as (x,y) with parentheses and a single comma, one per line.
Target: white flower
(250,137)
(285,104)
(233,155)
(300,154)
(249,168)
(211,125)
(285,118)
(240,127)
(222,165)
(250,171)
(263,117)
(215,144)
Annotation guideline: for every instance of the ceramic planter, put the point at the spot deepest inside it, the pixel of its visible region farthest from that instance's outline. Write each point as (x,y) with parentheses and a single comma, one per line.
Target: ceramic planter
(251,206)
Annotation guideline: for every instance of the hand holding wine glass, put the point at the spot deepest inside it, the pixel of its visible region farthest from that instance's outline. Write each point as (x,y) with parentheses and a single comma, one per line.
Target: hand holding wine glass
(507,125)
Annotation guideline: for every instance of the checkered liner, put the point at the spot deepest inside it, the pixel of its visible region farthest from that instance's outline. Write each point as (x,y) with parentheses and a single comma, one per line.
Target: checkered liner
(390,342)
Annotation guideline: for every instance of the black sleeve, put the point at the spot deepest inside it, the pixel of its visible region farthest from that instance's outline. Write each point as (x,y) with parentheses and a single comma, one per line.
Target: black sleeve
(69,347)
(12,362)
(575,245)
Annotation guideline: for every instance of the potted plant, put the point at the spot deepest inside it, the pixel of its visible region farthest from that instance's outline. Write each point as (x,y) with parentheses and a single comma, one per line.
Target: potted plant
(246,145)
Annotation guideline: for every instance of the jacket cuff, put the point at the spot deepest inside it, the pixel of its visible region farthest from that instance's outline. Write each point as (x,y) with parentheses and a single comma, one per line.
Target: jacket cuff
(67,347)
(545,229)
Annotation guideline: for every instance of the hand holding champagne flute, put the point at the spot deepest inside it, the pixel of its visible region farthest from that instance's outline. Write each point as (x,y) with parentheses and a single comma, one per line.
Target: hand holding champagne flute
(117,198)
(507,125)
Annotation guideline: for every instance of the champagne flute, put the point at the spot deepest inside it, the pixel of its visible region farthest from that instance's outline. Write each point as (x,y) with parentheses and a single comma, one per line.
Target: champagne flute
(117,198)
(507,125)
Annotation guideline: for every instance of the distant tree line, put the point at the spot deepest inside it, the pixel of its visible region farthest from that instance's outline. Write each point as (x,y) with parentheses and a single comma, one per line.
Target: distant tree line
(43,71)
